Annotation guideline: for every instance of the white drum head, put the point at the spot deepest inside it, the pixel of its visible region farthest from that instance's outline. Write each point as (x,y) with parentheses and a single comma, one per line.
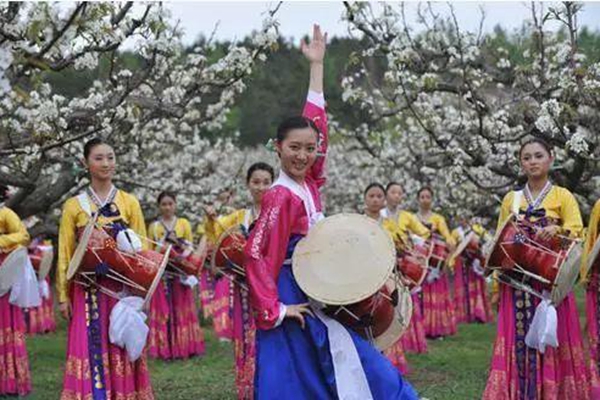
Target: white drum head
(11,268)
(81,249)
(344,259)
(592,256)
(567,274)
(403,315)
(46,262)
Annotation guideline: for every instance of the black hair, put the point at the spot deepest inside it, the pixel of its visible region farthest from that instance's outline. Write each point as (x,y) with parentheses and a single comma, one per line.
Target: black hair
(166,193)
(536,140)
(393,183)
(425,188)
(90,144)
(374,185)
(260,166)
(292,123)
(3,192)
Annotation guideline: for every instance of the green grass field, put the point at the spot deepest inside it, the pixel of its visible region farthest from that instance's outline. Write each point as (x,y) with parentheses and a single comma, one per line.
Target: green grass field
(454,368)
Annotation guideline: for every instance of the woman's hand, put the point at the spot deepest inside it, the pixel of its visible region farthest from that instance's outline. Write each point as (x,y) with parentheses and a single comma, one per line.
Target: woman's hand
(315,50)
(65,310)
(548,232)
(297,311)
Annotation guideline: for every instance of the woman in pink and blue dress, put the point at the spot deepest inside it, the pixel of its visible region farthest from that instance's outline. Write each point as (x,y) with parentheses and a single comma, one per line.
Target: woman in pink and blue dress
(294,348)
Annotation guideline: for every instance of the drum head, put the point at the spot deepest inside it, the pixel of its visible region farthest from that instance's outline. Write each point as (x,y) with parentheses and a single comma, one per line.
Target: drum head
(400,323)
(567,274)
(592,256)
(46,262)
(158,277)
(344,259)
(495,245)
(81,249)
(11,268)
(462,246)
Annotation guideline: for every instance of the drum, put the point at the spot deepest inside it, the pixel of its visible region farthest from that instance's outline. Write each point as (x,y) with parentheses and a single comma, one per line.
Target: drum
(41,257)
(440,252)
(519,258)
(11,266)
(227,257)
(185,259)
(471,242)
(347,264)
(97,254)
(413,262)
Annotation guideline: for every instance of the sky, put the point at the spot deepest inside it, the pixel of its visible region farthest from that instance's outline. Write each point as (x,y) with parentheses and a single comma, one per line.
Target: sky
(236,19)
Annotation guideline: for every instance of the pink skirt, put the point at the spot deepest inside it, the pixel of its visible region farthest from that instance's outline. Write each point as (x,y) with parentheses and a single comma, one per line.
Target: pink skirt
(470,295)
(520,372)
(94,365)
(15,378)
(40,320)
(438,308)
(221,314)
(413,340)
(395,354)
(206,291)
(592,317)
(173,321)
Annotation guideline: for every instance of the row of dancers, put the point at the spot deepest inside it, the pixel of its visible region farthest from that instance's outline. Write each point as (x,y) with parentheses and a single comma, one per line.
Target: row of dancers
(283,349)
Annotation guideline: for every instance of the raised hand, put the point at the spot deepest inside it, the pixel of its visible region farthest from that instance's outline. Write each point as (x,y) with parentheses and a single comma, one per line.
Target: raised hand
(315,50)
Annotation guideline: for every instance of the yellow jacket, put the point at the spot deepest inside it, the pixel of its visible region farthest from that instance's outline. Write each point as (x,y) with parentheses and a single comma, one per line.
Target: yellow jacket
(12,231)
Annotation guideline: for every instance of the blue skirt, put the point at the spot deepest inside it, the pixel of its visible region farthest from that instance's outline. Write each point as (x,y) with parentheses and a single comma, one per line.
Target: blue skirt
(296,363)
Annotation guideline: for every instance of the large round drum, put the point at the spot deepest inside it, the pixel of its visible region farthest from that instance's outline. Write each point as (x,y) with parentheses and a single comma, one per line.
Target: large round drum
(440,251)
(41,257)
(97,253)
(517,253)
(11,265)
(344,259)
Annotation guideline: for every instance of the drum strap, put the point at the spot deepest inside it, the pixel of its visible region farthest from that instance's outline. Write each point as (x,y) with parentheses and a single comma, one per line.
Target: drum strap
(516,203)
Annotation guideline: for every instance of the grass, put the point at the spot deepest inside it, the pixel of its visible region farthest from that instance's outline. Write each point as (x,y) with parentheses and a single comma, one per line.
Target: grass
(454,368)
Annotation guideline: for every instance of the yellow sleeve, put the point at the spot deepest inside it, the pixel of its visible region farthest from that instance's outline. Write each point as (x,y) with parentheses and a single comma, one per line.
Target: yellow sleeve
(570,215)
(416,227)
(215,228)
(136,219)
(152,235)
(504,210)
(455,236)
(590,239)
(443,227)
(16,233)
(187,229)
(66,247)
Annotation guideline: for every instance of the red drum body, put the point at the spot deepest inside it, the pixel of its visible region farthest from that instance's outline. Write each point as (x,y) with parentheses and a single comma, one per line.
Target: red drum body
(97,254)
(413,270)
(228,254)
(440,251)
(186,260)
(518,256)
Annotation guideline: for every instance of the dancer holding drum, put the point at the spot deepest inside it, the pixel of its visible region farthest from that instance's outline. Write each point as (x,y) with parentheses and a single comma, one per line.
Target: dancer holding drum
(527,362)
(470,288)
(15,377)
(175,331)
(96,368)
(294,347)
(374,196)
(259,179)
(408,232)
(438,307)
